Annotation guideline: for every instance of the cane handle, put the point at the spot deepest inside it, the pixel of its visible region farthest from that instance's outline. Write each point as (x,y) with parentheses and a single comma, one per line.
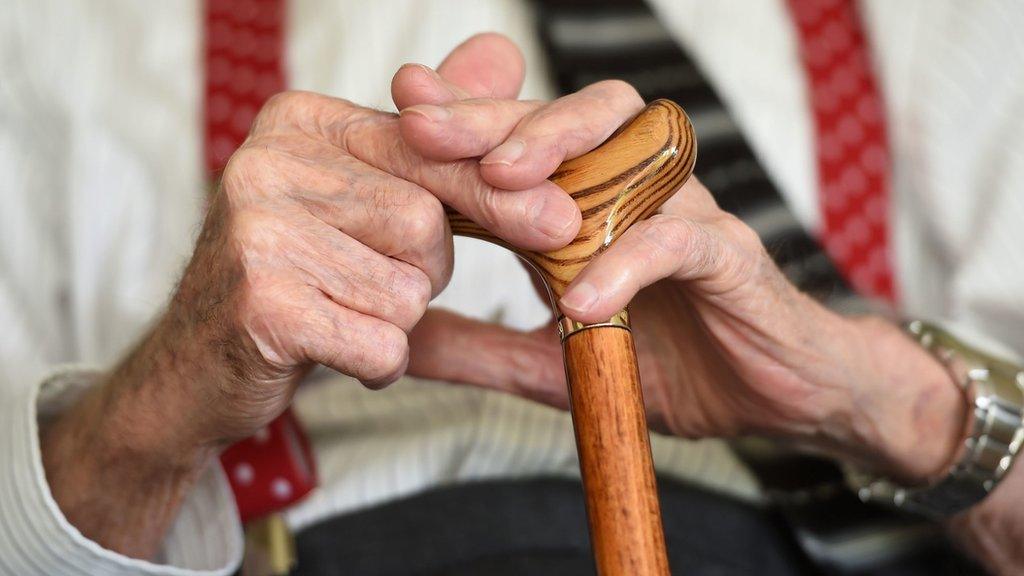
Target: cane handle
(622,181)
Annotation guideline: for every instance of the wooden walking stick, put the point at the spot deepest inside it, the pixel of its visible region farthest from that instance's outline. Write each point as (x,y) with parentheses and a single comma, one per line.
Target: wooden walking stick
(619,183)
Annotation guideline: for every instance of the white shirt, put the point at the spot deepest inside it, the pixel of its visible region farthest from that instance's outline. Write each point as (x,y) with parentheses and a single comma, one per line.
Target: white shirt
(102,189)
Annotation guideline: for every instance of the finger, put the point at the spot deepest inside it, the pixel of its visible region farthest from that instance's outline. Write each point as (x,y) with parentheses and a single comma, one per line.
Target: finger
(542,217)
(463,129)
(351,274)
(649,251)
(487,65)
(363,280)
(569,127)
(665,245)
(392,216)
(296,111)
(418,84)
(537,137)
(449,347)
(362,346)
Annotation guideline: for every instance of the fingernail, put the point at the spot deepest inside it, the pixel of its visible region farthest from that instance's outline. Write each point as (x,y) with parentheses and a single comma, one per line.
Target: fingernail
(432,74)
(429,111)
(553,219)
(505,154)
(430,71)
(580,297)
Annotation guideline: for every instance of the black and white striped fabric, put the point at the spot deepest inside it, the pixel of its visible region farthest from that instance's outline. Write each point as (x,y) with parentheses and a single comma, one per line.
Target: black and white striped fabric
(592,40)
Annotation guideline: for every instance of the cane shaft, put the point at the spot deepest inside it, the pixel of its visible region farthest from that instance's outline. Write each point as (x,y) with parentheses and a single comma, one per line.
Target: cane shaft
(614,452)
(621,182)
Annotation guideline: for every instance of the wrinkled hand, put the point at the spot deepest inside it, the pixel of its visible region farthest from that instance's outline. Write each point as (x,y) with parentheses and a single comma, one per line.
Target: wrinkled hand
(728,346)
(323,245)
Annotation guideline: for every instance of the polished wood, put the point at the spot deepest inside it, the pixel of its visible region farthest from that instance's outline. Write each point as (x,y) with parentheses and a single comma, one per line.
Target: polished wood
(614,451)
(617,184)
(624,180)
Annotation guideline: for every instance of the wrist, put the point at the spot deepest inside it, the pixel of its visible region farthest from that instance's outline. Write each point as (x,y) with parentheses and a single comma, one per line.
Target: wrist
(156,402)
(119,463)
(906,415)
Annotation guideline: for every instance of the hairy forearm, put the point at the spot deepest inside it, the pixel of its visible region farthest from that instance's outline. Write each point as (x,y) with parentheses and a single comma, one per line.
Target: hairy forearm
(908,420)
(120,462)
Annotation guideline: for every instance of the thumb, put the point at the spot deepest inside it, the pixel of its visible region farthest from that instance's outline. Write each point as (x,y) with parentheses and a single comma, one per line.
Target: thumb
(449,347)
(487,65)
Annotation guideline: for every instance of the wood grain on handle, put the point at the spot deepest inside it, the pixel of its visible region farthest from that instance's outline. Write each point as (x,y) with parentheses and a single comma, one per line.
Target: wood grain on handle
(624,180)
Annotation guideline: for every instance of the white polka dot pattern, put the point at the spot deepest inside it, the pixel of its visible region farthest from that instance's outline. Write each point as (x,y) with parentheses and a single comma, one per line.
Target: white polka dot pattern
(244,67)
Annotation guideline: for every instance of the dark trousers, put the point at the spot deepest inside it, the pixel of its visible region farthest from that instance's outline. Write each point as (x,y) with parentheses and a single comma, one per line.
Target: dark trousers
(537,527)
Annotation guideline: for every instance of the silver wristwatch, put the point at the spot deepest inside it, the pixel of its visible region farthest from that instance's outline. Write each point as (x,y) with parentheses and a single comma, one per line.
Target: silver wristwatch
(994,388)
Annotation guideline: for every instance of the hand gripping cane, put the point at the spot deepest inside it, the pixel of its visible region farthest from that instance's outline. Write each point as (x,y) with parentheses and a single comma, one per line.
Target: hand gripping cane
(624,180)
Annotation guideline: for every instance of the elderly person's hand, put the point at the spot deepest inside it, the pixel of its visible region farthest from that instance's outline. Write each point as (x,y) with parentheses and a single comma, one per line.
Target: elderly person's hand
(728,346)
(323,245)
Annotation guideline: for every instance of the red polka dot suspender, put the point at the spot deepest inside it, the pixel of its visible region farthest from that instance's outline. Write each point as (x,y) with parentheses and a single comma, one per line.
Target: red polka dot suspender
(852,145)
(272,470)
(244,61)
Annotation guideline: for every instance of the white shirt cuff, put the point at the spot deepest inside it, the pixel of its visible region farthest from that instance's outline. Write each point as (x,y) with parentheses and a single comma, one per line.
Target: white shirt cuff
(36,539)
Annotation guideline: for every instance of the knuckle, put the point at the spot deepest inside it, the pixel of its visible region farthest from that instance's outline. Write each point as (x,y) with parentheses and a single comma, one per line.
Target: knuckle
(419,293)
(667,234)
(305,112)
(260,301)
(619,90)
(683,240)
(287,102)
(422,221)
(705,253)
(277,109)
(384,361)
(490,213)
(743,234)
(251,169)
(249,228)
(409,293)
(281,100)
(240,164)
(480,200)
(459,173)
(362,129)
(254,245)
(743,244)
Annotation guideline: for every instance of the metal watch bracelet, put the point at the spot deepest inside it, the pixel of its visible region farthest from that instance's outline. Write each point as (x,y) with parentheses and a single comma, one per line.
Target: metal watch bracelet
(994,391)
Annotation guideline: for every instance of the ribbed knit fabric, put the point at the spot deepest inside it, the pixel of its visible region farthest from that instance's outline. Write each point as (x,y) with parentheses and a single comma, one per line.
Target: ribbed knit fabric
(204,540)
